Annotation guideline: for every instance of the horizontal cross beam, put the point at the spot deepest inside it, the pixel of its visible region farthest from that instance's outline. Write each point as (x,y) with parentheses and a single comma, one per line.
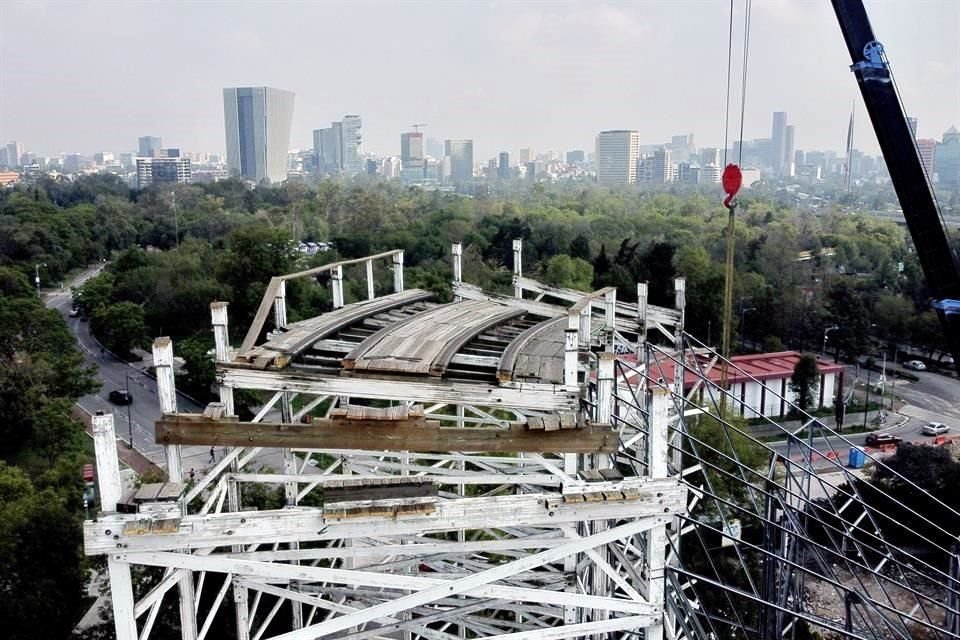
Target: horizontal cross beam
(411,434)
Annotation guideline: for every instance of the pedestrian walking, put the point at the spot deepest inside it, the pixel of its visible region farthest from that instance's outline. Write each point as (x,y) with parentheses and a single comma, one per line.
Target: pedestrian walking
(213,456)
(192,475)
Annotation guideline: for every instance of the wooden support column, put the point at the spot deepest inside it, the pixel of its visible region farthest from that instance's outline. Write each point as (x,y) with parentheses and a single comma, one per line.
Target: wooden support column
(290,493)
(221,340)
(167,393)
(517,268)
(586,327)
(108,465)
(398,272)
(657,454)
(605,387)
(121,596)
(641,316)
(610,317)
(336,284)
(457,252)
(280,306)
(221,335)
(571,350)
(371,290)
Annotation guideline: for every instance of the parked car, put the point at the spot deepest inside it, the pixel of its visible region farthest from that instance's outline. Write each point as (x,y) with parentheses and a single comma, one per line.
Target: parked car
(935,429)
(947,361)
(916,365)
(880,439)
(74,312)
(120,396)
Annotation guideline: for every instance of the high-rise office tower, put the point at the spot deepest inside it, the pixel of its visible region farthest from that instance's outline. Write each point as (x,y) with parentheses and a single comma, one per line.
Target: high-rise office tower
(257,122)
(709,155)
(788,151)
(434,148)
(14,151)
(799,158)
(526,155)
(503,166)
(928,151)
(149,147)
(162,170)
(617,154)
(662,166)
(778,142)
(913,126)
(575,156)
(352,144)
(411,156)
(460,153)
(947,158)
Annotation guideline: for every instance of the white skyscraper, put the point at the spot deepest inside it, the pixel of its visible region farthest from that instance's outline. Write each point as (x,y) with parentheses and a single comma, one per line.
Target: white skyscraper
(257,122)
(352,145)
(617,154)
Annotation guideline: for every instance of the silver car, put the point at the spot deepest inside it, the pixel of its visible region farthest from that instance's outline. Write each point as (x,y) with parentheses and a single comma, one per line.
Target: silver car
(916,365)
(935,429)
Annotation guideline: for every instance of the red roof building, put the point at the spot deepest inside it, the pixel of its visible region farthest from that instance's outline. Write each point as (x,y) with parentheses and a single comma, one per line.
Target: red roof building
(760,381)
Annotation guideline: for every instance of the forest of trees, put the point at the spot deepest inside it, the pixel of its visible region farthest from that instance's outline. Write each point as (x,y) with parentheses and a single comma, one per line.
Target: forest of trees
(797,271)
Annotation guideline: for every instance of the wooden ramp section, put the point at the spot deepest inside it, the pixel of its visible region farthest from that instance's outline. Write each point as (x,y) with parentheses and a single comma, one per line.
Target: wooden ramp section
(425,344)
(536,355)
(301,335)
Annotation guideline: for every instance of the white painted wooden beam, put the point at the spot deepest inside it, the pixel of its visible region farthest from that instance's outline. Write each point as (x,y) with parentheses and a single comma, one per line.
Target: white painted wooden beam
(279,571)
(517,268)
(121,596)
(466,584)
(535,397)
(221,335)
(398,272)
(303,524)
(280,306)
(108,465)
(336,285)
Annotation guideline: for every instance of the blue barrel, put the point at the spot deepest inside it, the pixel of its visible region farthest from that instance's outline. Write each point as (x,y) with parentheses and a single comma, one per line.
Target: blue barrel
(857,458)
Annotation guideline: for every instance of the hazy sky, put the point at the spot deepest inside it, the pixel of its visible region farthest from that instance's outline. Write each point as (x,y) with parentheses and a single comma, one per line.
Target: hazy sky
(85,76)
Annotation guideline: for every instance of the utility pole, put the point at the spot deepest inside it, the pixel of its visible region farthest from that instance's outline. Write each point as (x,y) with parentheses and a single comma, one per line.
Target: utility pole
(176,218)
(129,418)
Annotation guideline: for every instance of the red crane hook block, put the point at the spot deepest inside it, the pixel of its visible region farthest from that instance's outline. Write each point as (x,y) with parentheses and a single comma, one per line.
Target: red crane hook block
(732,181)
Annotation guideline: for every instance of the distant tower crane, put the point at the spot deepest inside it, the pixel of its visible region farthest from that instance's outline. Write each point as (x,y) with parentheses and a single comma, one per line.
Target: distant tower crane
(416,127)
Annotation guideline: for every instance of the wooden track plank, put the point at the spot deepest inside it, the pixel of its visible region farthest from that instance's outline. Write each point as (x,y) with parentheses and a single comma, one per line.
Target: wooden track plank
(426,343)
(301,335)
(525,355)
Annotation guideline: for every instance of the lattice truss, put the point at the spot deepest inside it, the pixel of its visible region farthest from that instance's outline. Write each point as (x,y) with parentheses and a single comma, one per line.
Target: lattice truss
(531,466)
(449,471)
(797,543)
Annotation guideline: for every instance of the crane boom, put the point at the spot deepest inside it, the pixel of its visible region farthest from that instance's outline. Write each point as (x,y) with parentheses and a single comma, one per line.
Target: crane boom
(938,260)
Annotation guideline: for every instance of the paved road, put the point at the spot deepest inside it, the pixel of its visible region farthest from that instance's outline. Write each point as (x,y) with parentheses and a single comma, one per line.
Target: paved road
(113,373)
(933,398)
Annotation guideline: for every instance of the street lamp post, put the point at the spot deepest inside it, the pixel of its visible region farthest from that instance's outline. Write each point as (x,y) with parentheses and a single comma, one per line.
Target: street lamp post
(823,350)
(36,274)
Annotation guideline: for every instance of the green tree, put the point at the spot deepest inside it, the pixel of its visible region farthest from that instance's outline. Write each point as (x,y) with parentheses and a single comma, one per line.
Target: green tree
(43,575)
(572,273)
(120,327)
(805,380)
(95,294)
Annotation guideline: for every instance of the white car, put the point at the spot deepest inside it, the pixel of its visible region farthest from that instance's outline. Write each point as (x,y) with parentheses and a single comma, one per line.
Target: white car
(916,365)
(935,429)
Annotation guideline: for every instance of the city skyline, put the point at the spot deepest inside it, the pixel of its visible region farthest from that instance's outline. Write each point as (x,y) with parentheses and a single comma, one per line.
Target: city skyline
(528,75)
